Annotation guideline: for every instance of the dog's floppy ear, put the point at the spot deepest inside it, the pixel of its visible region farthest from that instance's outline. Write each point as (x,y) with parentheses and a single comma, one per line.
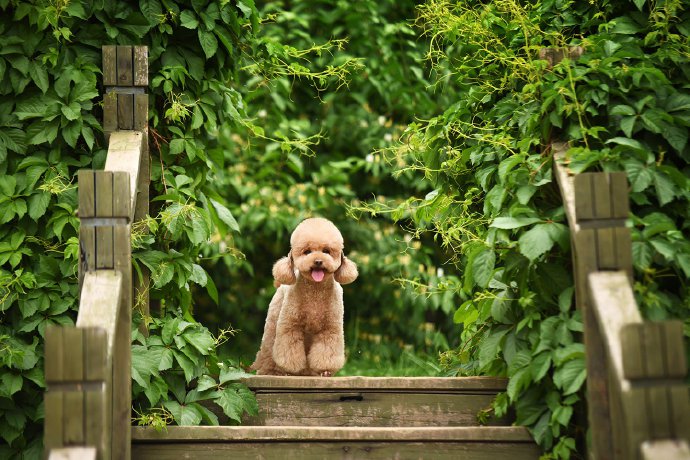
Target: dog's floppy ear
(283,271)
(347,272)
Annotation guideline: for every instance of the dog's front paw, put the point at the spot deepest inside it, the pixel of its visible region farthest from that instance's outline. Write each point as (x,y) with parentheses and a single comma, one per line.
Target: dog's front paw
(325,359)
(291,361)
(326,374)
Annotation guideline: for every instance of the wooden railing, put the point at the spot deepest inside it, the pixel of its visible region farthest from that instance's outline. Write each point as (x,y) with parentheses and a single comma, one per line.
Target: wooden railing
(88,367)
(638,405)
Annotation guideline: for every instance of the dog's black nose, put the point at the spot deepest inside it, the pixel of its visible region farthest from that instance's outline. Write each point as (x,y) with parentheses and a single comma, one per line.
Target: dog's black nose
(318,263)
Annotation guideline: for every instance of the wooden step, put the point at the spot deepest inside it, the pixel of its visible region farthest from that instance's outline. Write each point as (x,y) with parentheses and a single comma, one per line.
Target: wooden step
(373,401)
(297,442)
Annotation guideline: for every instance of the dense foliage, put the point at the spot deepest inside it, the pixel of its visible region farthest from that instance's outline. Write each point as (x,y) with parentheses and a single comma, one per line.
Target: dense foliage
(50,56)
(346,87)
(623,106)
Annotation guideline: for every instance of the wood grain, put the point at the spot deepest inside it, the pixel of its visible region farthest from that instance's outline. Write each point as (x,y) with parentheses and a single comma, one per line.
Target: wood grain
(356,383)
(368,409)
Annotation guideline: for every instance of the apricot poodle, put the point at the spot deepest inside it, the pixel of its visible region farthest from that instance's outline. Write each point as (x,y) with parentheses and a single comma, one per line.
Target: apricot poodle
(303,334)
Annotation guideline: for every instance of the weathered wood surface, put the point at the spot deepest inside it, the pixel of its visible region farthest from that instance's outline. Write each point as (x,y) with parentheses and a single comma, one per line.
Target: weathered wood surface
(368,409)
(329,433)
(355,383)
(614,305)
(473,443)
(73,453)
(77,397)
(372,401)
(99,302)
(666,449)
(125,152)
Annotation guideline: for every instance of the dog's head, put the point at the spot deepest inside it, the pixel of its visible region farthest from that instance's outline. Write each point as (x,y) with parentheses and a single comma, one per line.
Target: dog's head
(317,253)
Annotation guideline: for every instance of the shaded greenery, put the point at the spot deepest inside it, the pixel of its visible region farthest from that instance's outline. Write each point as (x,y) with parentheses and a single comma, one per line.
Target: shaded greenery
(494,204)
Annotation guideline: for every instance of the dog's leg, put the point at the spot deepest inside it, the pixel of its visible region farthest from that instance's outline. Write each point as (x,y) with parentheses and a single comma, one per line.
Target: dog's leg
(327,353)
(288,349)
(264,364)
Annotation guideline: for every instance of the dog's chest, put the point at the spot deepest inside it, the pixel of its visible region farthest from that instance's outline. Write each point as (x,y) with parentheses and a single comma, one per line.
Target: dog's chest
(315,315)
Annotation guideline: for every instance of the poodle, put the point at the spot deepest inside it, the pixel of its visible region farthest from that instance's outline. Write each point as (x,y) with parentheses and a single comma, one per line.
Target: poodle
(303,334)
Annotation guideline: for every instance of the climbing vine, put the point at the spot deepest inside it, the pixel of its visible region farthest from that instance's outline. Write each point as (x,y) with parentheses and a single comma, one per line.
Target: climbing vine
(492,201)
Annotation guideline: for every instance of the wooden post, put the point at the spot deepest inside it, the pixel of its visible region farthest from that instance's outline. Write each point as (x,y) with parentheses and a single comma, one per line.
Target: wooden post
(654,364)
(109,221)
(125,77)
(597,209)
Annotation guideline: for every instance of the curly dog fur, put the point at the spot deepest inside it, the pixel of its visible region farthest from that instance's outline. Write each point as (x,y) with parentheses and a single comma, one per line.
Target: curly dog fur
(303,334)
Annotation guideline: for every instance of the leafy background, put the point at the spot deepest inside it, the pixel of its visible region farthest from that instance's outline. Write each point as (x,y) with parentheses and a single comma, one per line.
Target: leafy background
(422,130)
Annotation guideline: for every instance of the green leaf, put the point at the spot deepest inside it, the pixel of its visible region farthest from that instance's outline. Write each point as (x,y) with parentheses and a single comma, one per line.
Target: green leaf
(71,111)
(231,374)
(40,76)
(508,223)
(208,42)
(201,340)
(38,204)
(185,415)
(225,215)
(189,20)
(205,382)
(536,241)
(483,267)
(11,383)
(570,376)
(664,186)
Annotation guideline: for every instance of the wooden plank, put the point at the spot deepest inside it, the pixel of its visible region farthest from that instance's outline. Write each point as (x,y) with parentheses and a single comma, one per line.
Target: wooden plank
(94,426)
(125,155)
(73,453)
(606,249)
(122,196)
(340,450)
(73,417)
(357,383)
(330,433)
(87,243)
(680,410)
(54,354)
(99,306)
(666,449)
(659,413)
(143,197)
(584,196)
(653,355)
(96,350)
(141,66)
(370,409)
(125,74)
(141,111)
(122,380)
(52,431)
(614,305)
(109,65)
(565,183)
(109,113)
(125,111)
(676,365)
(620,201)
(104,208)
(632,344)
(636,421)
(601,195)
(87,193)
(73,348)
(623,241)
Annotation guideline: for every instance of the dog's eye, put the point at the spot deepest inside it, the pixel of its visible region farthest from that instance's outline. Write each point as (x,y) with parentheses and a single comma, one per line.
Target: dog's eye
(326,251)
(307,252)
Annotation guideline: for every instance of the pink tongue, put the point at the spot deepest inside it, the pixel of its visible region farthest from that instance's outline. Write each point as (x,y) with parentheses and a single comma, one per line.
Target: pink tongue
(317,275)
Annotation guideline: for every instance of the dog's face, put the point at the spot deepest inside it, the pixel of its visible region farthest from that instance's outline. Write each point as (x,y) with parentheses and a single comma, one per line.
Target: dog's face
(317,253)
(317,248)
